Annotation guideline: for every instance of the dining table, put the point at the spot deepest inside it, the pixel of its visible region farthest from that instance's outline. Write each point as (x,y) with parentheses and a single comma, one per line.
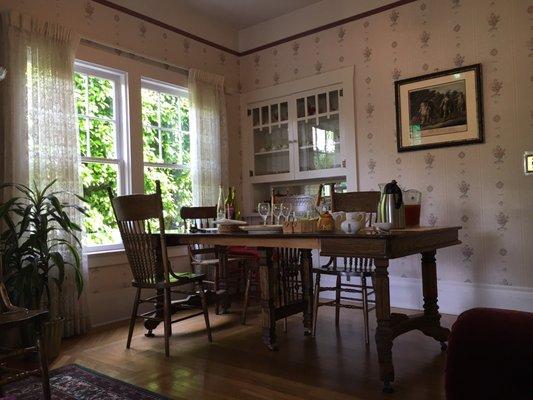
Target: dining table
(286,278)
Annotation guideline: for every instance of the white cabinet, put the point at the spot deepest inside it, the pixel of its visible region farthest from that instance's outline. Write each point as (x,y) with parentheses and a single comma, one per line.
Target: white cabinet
(299,131)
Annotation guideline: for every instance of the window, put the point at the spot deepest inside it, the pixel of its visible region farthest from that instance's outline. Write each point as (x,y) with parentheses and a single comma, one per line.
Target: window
(166,146)
(99,107)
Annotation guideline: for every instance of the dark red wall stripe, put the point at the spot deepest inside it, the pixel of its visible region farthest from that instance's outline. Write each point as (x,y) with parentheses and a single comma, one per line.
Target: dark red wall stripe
(171,28)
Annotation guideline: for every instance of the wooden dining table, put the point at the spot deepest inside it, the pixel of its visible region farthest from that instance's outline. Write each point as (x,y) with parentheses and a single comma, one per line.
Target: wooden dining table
(286,281)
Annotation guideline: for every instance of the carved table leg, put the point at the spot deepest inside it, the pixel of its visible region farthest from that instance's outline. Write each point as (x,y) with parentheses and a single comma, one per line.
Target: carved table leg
(307,288)
(384,329)
(268,278)
(432,326)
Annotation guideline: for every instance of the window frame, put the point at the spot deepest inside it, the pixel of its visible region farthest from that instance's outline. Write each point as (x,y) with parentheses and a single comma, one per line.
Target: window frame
(163,87)
(122,154)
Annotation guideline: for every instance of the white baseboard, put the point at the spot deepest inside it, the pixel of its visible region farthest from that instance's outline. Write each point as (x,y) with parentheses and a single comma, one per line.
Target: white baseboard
(454,297)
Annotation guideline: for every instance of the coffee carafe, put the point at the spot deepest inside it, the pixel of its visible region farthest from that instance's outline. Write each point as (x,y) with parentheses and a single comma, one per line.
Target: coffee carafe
(391,208)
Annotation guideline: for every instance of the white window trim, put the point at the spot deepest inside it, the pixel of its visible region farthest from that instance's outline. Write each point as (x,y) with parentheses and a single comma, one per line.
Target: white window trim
(123,156)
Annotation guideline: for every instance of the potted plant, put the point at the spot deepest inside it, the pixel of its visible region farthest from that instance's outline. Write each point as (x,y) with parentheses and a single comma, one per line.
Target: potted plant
(38,243)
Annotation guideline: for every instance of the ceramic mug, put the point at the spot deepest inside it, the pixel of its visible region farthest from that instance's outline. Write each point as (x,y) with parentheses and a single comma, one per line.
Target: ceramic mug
(338,217)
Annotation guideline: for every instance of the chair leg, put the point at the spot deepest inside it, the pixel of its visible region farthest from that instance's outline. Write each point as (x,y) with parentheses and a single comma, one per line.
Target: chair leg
(43,363)
(216,283)
(206,312)
(166,317)
(133,316)
(337,300)
(315,304)
(246,299)
(364,291)
(285,325)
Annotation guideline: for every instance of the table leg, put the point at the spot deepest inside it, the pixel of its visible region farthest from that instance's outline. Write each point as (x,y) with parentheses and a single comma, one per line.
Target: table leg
(268,279)
(384,333)
(151,324)
(432,325)
(306,261)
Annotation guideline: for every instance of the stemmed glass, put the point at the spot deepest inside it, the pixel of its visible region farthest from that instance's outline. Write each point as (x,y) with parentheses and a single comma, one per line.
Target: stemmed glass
(264,210)
(276,212)
(286,209)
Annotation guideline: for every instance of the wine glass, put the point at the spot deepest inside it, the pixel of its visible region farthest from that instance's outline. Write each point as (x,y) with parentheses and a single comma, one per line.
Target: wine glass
(276,212)
(264,210)
(286,209)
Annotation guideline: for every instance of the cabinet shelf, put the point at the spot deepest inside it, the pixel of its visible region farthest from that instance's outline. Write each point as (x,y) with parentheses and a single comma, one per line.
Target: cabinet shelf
(310,146)
(271,152)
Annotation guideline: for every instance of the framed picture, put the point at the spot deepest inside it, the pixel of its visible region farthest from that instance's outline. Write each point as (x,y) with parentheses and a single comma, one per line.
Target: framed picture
(441,109)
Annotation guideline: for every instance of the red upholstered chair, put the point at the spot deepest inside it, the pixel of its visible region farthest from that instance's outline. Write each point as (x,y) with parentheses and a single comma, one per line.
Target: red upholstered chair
(490,356)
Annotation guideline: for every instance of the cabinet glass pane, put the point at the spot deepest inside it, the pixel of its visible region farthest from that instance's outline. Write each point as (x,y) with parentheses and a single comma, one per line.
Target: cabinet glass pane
(284,113)
(319,146)
(334,100)
(300,107)
(274,114)
(322,103)
(255,116)
(264,115)
(271,150)
(311,105)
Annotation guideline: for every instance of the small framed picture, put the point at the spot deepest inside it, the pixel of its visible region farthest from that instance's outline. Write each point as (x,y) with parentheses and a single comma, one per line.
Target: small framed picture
(441,109)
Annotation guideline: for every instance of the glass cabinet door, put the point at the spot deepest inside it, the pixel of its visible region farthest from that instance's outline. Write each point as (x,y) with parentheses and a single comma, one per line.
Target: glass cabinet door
(270,124)
(318,130)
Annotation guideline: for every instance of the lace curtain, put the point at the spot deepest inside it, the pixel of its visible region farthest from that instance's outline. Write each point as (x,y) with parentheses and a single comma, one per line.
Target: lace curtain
(209,140)
(39,129)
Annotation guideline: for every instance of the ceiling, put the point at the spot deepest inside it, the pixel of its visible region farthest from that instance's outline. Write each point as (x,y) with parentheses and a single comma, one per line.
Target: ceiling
(243,13)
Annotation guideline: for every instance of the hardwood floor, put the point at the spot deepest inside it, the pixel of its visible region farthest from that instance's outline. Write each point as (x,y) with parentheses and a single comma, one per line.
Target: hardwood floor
(334,365)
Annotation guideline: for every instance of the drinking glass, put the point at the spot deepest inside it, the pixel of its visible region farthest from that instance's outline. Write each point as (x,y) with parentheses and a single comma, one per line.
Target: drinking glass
(276,212)
(286,209)
(264,210)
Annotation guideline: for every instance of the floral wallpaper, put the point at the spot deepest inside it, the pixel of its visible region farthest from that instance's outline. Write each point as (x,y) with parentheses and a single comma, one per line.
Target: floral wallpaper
(480,187)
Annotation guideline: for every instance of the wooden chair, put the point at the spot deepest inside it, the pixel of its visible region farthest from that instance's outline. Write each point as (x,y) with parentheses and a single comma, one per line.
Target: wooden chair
(136,216)
(287,259)
(361,268)
(214,260)
(12,317)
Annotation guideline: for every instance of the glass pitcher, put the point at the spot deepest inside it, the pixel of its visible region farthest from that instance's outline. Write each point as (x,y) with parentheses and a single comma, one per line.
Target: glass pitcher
(412,199)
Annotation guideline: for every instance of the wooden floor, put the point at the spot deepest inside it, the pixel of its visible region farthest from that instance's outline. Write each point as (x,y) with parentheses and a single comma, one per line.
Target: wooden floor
(334,365)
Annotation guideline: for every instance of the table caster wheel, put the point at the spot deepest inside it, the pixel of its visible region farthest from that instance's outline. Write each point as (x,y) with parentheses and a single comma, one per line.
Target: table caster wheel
(387,387)
(443,346)
(149,333)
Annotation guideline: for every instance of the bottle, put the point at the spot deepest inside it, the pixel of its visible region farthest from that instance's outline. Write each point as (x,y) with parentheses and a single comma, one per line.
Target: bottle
(221,213)
(229,204)
(236,206)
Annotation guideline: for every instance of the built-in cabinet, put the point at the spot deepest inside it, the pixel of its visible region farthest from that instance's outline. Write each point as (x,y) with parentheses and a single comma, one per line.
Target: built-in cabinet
(300,131)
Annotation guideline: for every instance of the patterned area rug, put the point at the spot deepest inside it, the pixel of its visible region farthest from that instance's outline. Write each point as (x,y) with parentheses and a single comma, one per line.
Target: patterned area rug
(74,382)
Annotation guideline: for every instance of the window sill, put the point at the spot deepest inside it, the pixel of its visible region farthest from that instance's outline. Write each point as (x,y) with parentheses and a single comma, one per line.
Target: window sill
(106,258)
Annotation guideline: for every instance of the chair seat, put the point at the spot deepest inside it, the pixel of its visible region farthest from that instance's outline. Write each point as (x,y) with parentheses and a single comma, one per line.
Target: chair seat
(343,271)
(251,252)
(20,315)
(176,279)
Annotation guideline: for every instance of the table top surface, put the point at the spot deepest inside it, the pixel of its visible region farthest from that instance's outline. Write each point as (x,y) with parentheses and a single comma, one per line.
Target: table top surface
(393,233)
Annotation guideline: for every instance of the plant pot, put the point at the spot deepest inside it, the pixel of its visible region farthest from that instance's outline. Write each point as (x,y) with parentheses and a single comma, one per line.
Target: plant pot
(53,334)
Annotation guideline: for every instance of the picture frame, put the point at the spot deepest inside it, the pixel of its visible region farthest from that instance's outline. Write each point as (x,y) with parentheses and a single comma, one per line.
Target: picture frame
(440,109)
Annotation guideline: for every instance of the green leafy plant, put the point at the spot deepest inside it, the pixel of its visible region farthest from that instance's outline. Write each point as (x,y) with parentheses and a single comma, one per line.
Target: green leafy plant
(37,232)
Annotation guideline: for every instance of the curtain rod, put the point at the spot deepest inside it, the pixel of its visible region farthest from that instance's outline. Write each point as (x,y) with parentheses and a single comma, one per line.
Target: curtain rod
(134,56)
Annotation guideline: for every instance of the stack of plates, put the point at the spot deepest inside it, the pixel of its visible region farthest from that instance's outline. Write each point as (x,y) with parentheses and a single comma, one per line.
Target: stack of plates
(263,229)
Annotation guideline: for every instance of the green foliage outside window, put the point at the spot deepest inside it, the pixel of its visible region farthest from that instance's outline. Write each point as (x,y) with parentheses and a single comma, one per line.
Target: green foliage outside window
(166,149)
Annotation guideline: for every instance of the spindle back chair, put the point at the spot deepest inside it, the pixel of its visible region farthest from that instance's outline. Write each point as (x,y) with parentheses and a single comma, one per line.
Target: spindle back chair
(365,202)
(142,228)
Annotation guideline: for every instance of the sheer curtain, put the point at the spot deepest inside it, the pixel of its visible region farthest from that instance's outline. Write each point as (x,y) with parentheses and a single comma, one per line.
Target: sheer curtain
(39,124)
(209,140)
